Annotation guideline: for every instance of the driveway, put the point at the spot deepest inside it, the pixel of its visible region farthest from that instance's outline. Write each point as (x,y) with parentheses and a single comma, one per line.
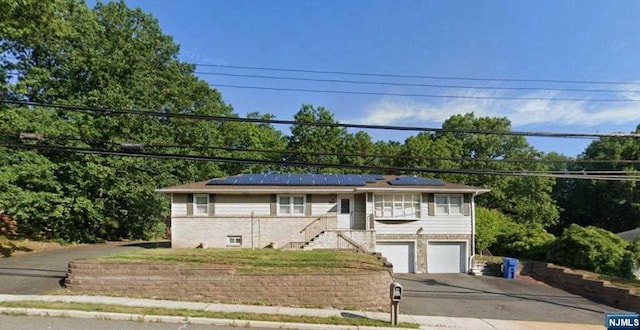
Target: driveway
(40,272)
(462,295)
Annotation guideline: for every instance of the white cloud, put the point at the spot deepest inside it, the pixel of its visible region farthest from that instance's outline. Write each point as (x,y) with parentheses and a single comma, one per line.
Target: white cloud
(393,110)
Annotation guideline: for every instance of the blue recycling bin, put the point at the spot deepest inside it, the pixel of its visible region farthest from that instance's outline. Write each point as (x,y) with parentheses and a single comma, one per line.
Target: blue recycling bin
(509,267)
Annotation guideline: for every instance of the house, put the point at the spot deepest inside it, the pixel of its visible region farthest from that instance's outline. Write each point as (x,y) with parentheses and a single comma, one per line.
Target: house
(418,224)
(630,235)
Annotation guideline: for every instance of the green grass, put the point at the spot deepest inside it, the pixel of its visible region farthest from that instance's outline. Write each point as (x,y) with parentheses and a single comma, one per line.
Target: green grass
(334,320)
(268,261)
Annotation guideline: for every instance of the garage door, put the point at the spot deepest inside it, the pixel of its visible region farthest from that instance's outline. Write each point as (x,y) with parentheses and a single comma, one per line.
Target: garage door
(400,254)
(446,257)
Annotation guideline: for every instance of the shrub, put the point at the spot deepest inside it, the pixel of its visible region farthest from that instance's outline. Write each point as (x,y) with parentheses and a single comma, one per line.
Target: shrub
(524,241)
(489,225)
(594,249)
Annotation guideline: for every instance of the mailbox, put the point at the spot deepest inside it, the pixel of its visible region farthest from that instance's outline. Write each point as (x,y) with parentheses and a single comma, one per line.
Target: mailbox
(395,291)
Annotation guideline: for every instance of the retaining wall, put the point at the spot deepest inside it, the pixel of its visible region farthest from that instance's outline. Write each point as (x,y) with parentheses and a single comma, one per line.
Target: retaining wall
(364,290)
(597,290)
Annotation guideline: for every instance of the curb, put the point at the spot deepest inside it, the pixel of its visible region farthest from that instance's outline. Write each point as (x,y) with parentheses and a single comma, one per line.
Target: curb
(180,319)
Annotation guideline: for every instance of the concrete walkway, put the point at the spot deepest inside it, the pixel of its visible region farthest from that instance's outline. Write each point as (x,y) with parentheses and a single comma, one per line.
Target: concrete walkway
(426,322)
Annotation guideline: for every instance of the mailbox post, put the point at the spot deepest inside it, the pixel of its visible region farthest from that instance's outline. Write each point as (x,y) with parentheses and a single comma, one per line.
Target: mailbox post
(395,294)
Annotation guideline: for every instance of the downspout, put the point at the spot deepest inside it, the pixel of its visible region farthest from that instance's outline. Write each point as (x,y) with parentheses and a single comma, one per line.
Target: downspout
(252,230)
(473,228)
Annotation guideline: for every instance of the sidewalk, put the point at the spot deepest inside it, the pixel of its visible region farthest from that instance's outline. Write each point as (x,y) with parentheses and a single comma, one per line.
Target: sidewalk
(426,322)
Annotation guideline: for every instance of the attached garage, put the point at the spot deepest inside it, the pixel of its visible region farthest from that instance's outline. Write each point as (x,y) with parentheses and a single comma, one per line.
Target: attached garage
(400,254)
(446,257)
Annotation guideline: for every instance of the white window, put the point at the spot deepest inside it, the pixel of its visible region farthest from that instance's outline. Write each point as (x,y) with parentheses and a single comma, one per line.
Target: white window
(291,205)
(397,206)
(449,204)
(201,205)
(234,240)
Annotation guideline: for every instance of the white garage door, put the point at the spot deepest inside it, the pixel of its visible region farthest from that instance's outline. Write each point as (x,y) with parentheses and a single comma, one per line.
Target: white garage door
(446,257)
(400,254)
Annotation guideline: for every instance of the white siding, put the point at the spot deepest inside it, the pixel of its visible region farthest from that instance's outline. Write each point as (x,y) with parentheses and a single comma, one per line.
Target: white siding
(429,225)
(321,204)
(178,208)
(443,224)
(448,224)
(243,204)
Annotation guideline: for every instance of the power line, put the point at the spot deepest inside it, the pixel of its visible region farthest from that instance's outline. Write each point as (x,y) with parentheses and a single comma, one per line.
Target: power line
(558,81)
(310,164)
(392,75)
(437,96)
(114,111)
(465,97)
(385,83)
(338,154)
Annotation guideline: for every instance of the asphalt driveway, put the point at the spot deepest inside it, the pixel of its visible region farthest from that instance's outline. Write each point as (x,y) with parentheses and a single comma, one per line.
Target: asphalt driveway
(462,295)
(41,272)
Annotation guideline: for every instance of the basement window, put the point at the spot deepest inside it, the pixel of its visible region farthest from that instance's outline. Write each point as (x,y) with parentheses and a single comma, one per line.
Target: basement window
(234,240)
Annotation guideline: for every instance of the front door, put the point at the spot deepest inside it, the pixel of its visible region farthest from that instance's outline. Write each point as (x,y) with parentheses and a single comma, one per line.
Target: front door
(345,211)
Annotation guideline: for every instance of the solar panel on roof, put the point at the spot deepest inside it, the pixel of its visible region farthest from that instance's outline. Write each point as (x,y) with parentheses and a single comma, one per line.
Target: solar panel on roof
(415,181)
(275,179)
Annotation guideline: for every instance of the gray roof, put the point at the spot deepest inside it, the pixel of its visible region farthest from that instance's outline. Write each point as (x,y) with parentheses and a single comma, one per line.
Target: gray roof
(630,235)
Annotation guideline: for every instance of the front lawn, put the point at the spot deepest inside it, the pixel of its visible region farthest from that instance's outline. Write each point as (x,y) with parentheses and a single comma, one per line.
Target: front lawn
(89,307)
(248,261)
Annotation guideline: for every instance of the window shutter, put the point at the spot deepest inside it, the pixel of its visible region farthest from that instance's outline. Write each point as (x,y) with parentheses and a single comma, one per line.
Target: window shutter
(307,207)
(212,204)
(274,205)
(466,206)
(432,203)
(190,204)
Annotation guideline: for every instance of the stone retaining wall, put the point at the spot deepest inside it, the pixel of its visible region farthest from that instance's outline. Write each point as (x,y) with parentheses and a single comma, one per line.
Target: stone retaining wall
(596,290)
(364,290)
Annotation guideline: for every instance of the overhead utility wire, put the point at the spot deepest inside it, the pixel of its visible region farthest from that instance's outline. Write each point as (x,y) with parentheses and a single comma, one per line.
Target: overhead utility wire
(466,97)
(438,96)
(349,73)
(385,83)
(114,111)
(391,75)
(309,164)
(321,153)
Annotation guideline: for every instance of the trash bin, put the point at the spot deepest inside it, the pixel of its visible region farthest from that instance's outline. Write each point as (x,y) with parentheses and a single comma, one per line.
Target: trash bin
(510,266)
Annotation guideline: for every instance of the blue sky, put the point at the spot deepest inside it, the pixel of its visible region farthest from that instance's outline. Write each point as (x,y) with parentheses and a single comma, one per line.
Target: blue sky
(565,40)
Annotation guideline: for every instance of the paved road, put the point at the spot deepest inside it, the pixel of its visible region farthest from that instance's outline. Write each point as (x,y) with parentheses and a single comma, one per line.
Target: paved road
(462,295)
(40,272)
(53,323)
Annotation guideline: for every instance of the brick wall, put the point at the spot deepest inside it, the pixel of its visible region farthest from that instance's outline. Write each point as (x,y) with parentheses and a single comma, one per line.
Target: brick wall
(596,290)
(190,232)
(366,290)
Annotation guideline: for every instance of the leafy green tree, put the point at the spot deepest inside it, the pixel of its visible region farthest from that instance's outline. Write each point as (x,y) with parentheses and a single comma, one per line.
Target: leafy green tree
(323,140)
(61,51)
(612,205)
(526,199)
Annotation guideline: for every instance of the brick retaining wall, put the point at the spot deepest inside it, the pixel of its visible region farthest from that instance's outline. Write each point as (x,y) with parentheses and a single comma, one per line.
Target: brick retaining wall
(596,290)
(365,290)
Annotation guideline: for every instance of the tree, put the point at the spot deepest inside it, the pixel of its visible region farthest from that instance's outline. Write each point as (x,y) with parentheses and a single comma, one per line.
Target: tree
(612,205)
(61,51)
(527,200)
(307,139)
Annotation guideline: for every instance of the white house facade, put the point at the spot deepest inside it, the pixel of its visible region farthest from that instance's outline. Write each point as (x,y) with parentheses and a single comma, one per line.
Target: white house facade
(420,225)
